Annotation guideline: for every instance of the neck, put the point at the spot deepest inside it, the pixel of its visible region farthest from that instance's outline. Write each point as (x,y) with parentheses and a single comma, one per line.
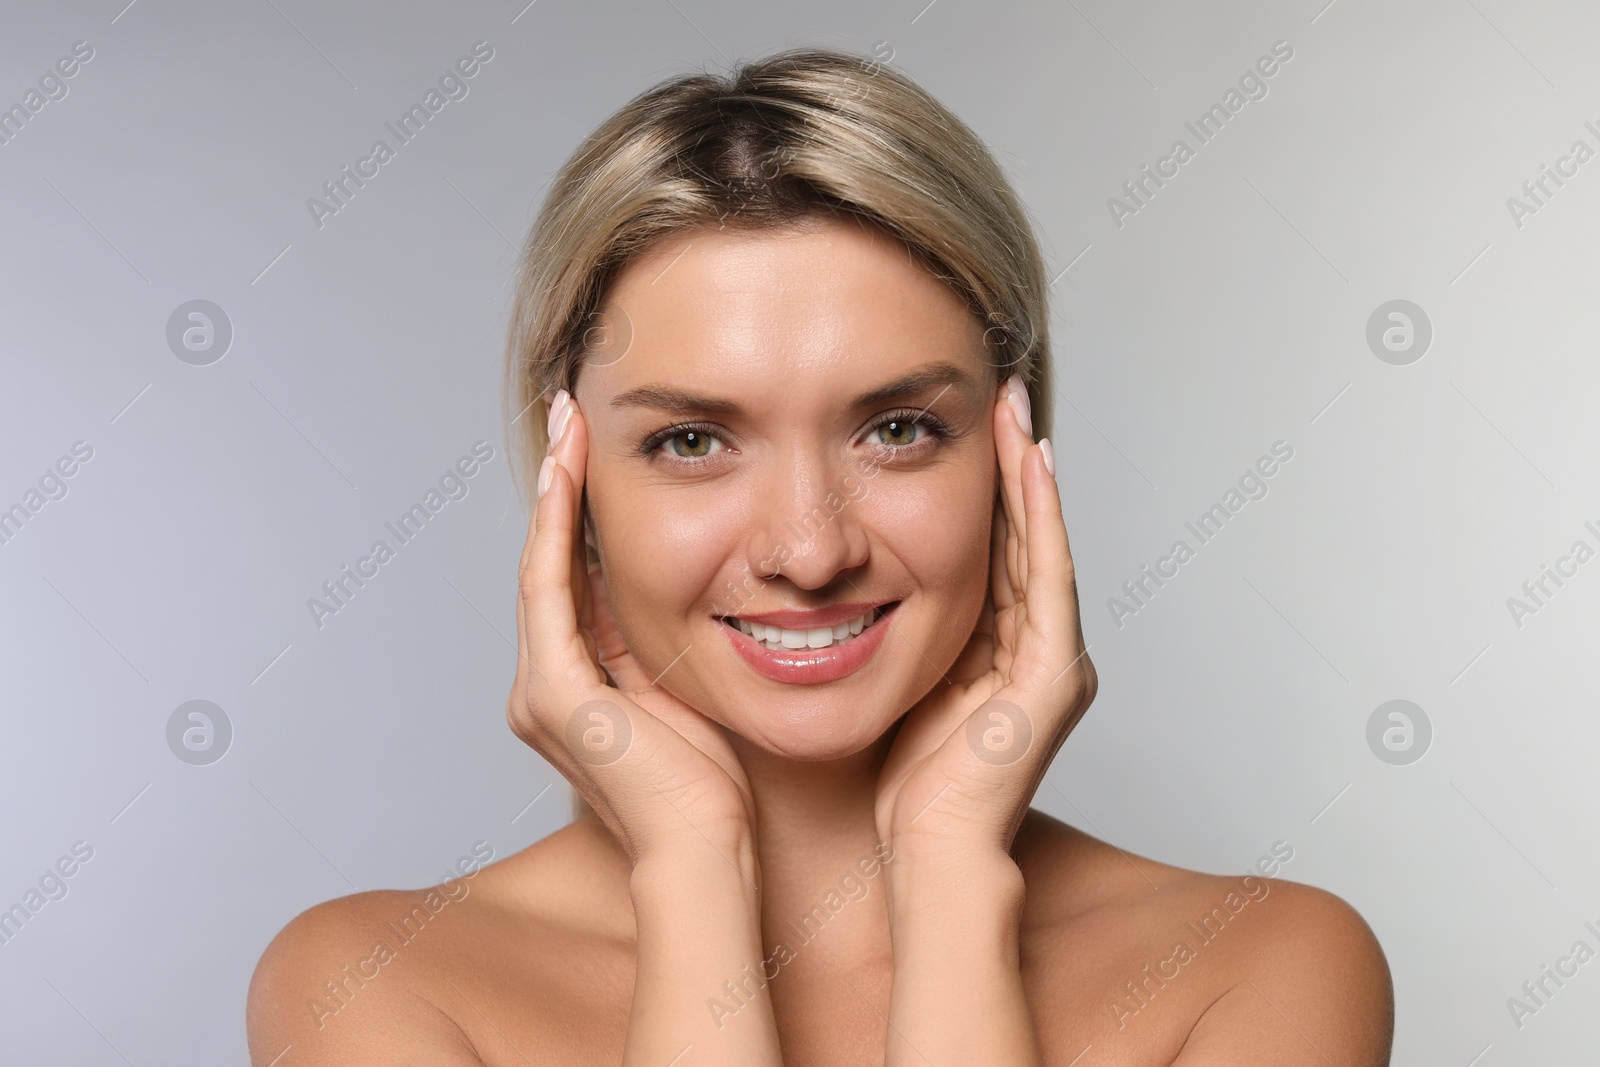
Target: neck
(822,865)
(819,850)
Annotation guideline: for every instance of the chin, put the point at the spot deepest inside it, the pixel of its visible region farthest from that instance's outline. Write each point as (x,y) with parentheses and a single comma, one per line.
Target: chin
(806,729)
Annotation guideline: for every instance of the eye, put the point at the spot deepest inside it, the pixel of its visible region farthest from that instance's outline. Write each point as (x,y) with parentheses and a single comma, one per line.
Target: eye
(697,444)
(898,430)
(688,443)
(907,431)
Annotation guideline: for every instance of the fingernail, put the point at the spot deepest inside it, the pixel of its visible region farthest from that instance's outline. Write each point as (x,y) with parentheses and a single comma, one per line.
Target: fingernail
(563,417)
(1049,456)
(1017,397)
(546,472)
(555,409)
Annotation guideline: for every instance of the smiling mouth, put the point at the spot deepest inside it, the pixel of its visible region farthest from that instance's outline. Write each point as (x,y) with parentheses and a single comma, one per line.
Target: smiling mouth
(777,639)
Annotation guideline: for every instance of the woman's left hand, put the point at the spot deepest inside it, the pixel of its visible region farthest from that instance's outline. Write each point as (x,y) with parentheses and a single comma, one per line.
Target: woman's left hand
(970,755)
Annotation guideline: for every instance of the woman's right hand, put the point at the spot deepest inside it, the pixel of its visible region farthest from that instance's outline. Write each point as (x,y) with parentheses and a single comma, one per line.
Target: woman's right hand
(661,775)
(654,769)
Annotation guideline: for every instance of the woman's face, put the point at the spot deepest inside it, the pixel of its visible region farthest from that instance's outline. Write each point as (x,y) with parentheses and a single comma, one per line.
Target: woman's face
(840,400)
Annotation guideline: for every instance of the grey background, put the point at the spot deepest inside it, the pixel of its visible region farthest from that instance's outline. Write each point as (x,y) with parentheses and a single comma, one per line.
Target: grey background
(1228,314)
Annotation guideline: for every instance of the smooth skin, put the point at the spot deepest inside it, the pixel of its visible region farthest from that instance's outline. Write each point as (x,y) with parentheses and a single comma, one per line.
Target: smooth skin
(927,915)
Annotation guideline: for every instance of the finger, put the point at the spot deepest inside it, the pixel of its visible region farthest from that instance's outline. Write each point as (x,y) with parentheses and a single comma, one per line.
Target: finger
(565,700)
(1052,591)
(549,595)
(526,671)
(527,544)
(570,447)
(1011,444)
(525,564)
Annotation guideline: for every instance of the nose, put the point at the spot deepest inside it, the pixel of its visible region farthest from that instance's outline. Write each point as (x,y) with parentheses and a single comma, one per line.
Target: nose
(806,521)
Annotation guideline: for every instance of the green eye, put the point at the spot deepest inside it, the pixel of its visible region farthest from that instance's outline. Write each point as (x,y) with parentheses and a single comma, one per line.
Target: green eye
(688,443)
(699,444)
(899,432)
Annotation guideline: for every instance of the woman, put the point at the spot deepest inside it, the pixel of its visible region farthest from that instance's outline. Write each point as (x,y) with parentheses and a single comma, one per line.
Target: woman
(797,620)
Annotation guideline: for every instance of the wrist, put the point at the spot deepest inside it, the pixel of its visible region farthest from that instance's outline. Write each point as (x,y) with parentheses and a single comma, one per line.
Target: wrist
(671,871)
(920,856)
(982,886)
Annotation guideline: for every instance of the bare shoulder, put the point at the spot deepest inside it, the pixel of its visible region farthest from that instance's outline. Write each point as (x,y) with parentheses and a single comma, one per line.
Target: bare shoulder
(1186,968)
(335,986)
(467,973)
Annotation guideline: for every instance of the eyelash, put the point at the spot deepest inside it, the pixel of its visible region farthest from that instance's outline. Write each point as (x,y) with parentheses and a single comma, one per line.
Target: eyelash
(938,430)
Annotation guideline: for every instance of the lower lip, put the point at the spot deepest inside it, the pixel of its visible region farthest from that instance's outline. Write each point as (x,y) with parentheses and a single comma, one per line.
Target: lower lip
(811,666)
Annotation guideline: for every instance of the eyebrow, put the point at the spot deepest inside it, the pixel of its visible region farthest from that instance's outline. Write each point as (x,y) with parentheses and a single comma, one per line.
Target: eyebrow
(671,399)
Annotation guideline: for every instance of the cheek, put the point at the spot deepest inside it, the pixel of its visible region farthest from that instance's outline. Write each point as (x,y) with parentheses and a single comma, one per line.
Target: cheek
(938,530)
(664,549)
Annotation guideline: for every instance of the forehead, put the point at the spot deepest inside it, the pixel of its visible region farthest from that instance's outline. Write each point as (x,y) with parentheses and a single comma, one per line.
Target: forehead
(835,303)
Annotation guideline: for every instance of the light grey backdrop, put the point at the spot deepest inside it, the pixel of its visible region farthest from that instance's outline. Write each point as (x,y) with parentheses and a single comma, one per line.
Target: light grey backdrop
(1229,312)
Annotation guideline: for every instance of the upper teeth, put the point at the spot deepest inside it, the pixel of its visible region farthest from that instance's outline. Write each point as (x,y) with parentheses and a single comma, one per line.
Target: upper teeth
(776,637)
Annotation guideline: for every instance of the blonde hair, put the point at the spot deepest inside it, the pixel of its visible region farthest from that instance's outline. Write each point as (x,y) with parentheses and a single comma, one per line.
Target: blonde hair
(781,141)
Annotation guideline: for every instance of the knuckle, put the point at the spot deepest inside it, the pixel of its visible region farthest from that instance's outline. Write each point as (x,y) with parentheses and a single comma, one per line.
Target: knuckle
(517,717)
(523,718)
(1091,682)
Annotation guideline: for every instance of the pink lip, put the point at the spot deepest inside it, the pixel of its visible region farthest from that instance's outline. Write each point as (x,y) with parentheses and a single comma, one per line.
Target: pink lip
(810,666)
(816,617)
